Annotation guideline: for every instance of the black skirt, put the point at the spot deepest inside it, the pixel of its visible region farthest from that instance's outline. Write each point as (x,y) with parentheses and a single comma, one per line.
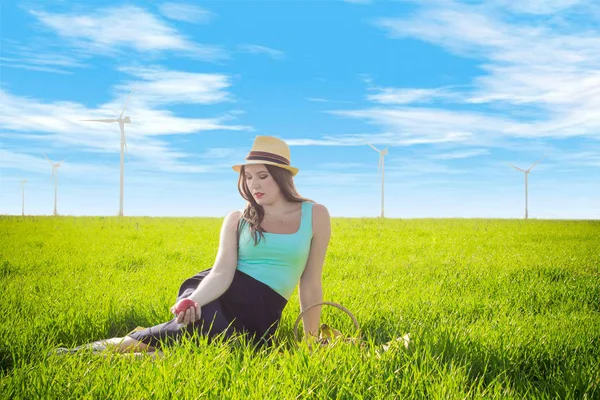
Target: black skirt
(248,306)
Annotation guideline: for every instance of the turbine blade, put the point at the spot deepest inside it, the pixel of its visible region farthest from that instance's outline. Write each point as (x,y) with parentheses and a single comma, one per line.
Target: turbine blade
(122,127)
(536,162)
(100,120)
(374,148)
(126,151)
(127,100)
(516,167)
(63,160)
(48,159)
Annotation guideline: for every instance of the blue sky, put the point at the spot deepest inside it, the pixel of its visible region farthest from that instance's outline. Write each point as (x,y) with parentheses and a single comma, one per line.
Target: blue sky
(458,90)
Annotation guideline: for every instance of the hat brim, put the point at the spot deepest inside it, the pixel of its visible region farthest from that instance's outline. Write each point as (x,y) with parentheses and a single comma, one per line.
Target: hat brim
(293,170)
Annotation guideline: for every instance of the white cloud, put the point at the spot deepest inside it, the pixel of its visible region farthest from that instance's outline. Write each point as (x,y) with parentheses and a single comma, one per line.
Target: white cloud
(551,69)
(37,164)
(151,156)
(18,64)
(222,153)
(186,12)
(406,96)
(538,63)
(114,31)
(38,56)
(323,100)
(411,125)
(256,49)
(160,86)
(470,32)
(582,158)
(459,154)
(537,6)
(338,140)
(59,123)
(63,118)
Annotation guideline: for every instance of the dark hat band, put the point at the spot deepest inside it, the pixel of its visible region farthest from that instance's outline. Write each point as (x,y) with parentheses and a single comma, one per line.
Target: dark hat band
(263,155)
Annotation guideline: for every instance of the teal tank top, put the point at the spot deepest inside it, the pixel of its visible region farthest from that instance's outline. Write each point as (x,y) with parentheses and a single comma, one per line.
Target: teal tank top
(279,259)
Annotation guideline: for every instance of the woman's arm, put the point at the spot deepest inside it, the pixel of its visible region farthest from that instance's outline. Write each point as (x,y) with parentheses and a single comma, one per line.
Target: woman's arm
(220,277)
(311,289)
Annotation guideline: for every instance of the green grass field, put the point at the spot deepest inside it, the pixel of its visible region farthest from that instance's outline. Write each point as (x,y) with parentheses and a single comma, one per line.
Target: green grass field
(494,308)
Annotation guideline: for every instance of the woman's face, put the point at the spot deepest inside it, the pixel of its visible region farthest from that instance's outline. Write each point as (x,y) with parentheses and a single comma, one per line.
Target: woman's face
(261,184)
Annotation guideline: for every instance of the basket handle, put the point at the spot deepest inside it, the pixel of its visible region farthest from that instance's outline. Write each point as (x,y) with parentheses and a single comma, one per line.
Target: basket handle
(328,303)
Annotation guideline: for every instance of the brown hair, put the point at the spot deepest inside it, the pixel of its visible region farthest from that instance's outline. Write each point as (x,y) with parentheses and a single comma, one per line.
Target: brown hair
(254,213)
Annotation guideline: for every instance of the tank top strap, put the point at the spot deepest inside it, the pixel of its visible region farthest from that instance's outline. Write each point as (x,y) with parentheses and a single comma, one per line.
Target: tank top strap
(306,221)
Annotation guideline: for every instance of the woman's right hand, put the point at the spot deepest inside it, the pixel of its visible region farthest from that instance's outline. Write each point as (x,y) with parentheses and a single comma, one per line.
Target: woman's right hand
(192,314)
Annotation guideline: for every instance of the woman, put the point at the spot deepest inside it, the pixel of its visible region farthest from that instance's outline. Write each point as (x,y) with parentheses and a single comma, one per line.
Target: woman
(277,242)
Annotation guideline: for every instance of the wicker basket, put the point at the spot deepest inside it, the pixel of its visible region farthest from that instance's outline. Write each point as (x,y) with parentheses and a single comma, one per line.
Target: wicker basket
(328,303)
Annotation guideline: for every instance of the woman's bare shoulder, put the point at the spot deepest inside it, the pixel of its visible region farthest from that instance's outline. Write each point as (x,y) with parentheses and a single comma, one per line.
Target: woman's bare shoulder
(236,214)
(319,210)
(321,221)
(232,219)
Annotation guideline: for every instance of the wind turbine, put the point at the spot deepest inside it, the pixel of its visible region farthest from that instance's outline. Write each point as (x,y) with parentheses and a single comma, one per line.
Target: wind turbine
(23,204)
(122,121)
(382,153)
(55,174)
(526,172)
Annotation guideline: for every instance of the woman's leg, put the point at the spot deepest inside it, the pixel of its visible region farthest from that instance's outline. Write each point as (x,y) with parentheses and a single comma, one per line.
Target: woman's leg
(127,344)
(120,344)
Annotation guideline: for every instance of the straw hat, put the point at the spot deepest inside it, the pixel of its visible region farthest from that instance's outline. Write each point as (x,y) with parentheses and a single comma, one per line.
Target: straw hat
(269,150)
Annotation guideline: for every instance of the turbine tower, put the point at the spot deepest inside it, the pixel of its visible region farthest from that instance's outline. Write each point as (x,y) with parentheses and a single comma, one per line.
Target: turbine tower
(55,175)
(122,121)
(382,153)
(526,172)
(23,189)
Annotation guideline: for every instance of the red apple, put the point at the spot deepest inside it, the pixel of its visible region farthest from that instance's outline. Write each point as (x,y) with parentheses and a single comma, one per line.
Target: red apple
(183,305)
